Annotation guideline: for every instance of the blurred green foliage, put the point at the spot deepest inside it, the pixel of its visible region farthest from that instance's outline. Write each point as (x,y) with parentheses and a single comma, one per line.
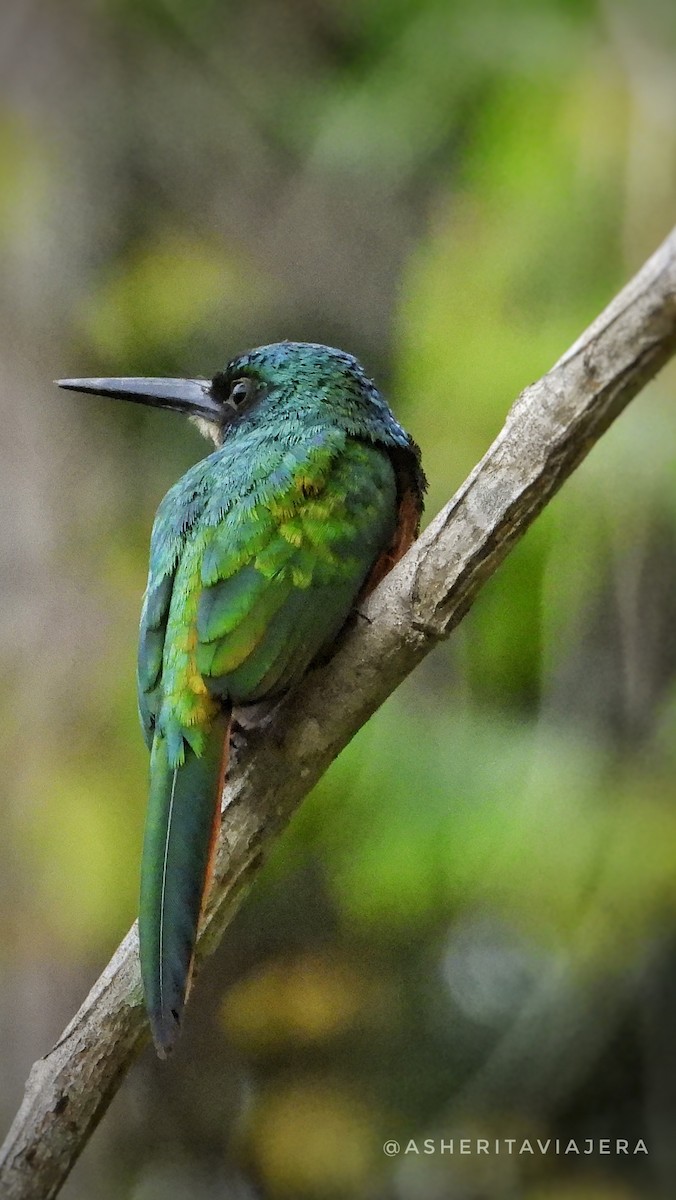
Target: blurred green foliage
(471,921)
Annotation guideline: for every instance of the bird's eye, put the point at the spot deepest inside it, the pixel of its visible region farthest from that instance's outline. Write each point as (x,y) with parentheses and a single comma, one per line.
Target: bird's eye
(241,391)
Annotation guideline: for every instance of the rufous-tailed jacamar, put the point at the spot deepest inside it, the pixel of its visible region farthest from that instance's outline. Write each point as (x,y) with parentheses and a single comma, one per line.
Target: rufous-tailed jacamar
(257,556)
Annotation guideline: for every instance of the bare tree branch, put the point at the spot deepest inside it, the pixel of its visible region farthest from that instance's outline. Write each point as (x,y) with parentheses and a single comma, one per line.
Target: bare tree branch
(548,431)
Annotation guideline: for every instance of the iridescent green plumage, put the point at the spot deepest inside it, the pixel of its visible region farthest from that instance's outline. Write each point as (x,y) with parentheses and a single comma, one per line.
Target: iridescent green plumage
(257,556)
(246,586)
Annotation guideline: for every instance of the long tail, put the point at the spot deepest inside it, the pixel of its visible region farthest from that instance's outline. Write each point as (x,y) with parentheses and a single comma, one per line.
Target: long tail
(178,850)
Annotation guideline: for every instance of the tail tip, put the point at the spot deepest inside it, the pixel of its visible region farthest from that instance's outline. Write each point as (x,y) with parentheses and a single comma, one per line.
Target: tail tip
(165,1028)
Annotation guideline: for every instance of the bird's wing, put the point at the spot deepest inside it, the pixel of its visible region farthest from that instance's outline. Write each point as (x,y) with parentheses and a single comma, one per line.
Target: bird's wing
(282,568)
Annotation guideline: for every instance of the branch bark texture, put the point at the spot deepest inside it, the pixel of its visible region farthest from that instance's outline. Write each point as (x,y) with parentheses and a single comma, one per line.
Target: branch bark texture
(550,428)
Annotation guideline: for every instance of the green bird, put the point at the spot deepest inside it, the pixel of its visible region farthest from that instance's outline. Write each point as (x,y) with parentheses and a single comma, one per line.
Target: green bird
(257,556)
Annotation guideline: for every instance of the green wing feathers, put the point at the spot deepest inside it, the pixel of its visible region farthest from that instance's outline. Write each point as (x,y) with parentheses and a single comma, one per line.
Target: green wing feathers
(279,581)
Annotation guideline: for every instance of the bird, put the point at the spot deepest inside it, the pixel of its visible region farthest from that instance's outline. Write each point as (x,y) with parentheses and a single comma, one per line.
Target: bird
(258,555)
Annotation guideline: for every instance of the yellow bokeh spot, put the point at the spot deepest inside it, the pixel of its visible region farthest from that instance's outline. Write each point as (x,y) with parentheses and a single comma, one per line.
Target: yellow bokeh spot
(312,1140)
(306,1000)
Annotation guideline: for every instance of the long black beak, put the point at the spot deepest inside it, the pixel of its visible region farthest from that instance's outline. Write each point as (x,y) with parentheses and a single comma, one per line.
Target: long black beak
(191,396)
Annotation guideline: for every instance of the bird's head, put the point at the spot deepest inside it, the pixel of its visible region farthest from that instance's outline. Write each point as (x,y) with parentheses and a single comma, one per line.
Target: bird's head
(286,377)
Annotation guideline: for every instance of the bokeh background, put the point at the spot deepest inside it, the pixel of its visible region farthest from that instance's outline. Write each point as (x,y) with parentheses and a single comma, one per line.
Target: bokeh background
(470,928)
